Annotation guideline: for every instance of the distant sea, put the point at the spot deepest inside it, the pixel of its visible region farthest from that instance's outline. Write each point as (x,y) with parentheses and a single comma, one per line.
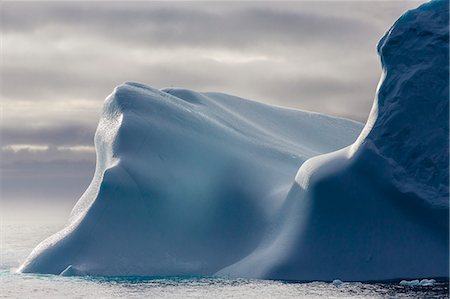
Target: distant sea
(18,238)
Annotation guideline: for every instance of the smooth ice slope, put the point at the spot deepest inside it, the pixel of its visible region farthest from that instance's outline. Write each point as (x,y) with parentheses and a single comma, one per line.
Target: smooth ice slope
(186,182)
(378,209)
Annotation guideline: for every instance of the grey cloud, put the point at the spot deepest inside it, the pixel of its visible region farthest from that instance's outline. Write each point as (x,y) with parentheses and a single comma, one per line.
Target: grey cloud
(75,134)
(44,83)
(117,28)
(321,57)
(196,24)
(34,180)
(50,154)
(250,79)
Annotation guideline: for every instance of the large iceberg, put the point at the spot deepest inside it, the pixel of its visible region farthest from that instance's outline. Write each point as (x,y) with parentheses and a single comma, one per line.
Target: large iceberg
(186,182)
(203,183)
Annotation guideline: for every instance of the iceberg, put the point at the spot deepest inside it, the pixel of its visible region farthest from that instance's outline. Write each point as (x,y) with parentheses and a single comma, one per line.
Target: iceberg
(185,182)
(191,183)
(379,208)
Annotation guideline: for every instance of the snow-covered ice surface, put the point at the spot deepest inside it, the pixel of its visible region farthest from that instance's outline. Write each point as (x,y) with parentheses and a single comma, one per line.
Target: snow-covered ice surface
(203,183)
(186,182)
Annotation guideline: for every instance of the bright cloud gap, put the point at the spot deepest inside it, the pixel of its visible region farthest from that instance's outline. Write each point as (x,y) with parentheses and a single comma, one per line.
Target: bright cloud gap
(42,148)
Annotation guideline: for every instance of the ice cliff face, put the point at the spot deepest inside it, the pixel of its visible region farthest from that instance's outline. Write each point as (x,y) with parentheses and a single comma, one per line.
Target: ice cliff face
(408,125)
(202,183)
(378,209)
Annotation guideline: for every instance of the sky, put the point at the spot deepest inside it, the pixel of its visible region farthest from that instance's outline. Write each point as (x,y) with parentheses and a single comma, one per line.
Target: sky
(59,61)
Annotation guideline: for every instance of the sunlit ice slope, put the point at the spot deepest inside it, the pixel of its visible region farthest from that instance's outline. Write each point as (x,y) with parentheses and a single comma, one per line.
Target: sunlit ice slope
(186,182)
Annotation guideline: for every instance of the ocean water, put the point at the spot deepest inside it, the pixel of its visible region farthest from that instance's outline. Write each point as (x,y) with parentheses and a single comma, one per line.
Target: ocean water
(18,239)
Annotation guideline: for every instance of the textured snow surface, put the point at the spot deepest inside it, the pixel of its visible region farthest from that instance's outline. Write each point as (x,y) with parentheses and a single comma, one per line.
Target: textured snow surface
(203,183)
(378,209)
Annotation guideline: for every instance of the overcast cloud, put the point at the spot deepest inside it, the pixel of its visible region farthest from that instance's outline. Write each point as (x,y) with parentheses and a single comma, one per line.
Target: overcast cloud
(60,60)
